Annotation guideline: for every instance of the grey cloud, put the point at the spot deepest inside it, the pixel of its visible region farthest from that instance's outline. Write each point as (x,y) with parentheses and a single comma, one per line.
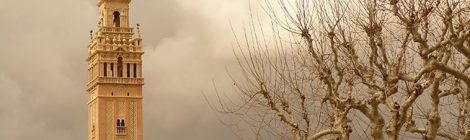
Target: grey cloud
(43,69)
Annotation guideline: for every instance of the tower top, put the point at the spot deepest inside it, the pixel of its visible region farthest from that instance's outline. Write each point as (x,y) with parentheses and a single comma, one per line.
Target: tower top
(114,13)
(114,30)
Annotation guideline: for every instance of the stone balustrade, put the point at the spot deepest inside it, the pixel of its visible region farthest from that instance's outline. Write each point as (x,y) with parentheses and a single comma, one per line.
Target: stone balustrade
(120,80)
(115,29)
(115,80)
(120,130)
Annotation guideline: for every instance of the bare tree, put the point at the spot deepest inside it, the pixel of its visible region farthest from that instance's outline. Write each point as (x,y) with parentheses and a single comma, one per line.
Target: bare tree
(357,69)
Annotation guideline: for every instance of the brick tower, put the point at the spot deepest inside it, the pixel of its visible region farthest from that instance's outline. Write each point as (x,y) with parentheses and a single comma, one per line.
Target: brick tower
(115,76)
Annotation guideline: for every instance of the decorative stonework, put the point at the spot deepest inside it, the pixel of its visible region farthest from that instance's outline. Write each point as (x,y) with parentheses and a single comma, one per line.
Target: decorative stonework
(132,117)
(121,108)
(109,126)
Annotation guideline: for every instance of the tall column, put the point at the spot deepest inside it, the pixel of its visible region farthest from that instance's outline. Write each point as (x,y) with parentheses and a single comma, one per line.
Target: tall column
(124,70)
(115,69)
(139,69)
(100,71)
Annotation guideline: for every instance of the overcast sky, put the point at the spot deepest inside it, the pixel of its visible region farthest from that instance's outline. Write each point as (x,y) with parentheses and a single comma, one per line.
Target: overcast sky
(187,44)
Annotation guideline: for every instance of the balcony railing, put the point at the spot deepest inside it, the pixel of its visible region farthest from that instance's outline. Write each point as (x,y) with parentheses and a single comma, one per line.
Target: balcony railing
(121,130)
(115,80)
(115,29)
(120,80)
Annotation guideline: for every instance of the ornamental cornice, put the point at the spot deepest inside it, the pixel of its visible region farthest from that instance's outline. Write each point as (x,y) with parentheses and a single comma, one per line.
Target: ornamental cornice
(114,81)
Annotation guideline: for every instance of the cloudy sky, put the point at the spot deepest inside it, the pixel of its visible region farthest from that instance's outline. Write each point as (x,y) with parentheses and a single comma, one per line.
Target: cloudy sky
(187,43)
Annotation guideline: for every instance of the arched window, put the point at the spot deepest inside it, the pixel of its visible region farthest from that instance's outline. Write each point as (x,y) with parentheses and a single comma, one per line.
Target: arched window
(119,66)
(120,127)
(117,19)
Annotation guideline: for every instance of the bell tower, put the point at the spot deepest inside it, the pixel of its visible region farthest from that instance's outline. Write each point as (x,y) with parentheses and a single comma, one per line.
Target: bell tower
(115,76)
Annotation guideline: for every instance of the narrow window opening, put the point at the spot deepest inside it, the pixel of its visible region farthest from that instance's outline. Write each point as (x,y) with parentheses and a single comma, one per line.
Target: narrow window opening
(112,94)
(128,94)
(117,19)
(128,70)
(105,65)
(112,70)
(119,67)
(135,70)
